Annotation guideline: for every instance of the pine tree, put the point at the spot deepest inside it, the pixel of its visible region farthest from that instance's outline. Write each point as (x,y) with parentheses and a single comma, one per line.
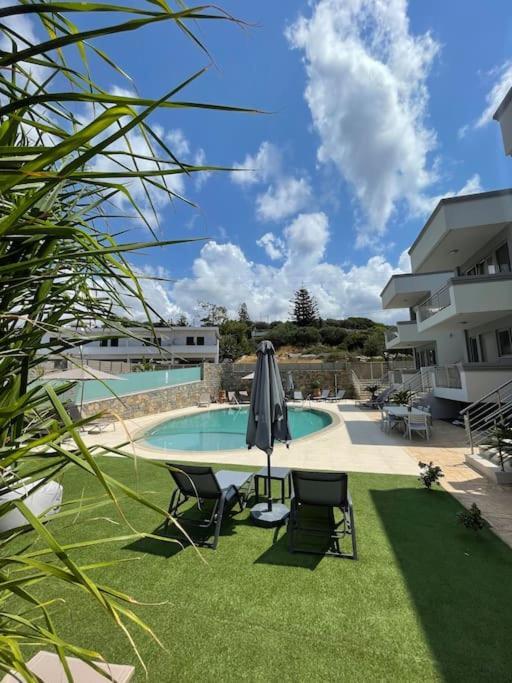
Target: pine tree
(305,308)
(243,314)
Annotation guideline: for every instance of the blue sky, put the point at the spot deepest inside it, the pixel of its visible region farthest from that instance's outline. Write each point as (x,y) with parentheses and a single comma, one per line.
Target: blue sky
(377,110)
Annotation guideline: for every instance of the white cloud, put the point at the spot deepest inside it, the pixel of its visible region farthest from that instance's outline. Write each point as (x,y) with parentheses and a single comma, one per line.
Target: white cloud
(285,195)
(473,185)
(272,244)
(260,167)
(156,290)
(148,198)
(223,274)
(283,199)
(502,84)
(366,90)
(179,144)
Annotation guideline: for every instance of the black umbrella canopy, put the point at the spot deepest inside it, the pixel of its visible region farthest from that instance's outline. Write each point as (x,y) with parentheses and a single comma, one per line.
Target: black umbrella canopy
(267,421)
(268,414)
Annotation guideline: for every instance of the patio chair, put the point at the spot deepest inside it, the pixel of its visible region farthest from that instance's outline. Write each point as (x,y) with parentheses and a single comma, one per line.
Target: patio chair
(94,427)
(339,396)
(243,397)
(324,394)
(232,398)
(298,396)
(204,401)
(419,424)
(220,490)
(328,490)
(387,421)
(379,400)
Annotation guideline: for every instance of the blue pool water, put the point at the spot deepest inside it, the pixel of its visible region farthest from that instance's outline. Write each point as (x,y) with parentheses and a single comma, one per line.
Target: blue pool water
(134,382)
(222,430)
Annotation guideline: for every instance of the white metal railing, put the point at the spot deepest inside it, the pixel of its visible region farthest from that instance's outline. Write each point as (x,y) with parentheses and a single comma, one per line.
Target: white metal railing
(435,303)
(491,409)
(418,383)
(390,335)
(448,377)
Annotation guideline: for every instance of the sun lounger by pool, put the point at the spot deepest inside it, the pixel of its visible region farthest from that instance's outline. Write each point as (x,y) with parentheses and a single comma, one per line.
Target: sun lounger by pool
(328,490)
(219,491)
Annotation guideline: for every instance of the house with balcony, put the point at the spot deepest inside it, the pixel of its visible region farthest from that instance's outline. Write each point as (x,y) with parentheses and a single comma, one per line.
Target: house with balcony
(457,300)
(168,346)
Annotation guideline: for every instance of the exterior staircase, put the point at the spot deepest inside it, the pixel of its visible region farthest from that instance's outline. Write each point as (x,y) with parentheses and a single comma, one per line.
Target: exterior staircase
(482,415)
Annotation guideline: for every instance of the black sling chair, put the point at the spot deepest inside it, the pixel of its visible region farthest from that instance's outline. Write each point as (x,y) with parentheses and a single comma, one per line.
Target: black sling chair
(322,490)
(221,489)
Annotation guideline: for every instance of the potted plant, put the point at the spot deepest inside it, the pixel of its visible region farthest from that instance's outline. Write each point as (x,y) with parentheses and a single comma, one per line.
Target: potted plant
(500,440)
(402,397)
(373,389)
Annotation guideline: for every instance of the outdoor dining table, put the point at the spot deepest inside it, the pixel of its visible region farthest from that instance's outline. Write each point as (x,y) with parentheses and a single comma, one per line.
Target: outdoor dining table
(402,411)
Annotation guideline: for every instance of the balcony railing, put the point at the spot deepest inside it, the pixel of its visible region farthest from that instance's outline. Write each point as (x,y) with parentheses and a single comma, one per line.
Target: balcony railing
(391,335)
(437,302)
(447,377)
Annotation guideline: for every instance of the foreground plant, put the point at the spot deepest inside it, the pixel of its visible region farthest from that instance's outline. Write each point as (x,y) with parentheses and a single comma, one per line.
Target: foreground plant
(429,474)
(472,518)
(66,163)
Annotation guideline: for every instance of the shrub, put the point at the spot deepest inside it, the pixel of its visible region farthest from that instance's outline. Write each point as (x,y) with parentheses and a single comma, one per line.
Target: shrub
(332,336)
(307,335)
(402,397)
(429,474)
(472,518)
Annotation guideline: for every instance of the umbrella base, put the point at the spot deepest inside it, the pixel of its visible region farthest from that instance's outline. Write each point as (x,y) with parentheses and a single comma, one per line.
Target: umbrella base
(262,516)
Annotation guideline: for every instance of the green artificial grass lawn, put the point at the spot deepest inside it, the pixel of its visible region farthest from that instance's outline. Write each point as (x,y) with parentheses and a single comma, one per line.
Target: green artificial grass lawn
(427,600)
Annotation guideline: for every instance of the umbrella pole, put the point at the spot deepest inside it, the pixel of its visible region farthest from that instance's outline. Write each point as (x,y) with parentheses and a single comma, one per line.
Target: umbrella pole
(269,483)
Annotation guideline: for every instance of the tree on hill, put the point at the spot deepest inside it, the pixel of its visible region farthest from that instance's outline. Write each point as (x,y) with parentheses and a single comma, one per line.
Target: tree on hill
(243,314)
(182,321)
(213,315)
(305,308)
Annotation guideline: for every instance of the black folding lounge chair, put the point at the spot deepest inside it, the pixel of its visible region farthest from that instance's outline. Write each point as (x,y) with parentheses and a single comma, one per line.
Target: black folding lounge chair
(217,491)
(327,490)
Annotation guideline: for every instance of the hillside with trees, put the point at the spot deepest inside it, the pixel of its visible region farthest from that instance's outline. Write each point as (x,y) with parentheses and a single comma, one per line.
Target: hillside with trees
(305,333)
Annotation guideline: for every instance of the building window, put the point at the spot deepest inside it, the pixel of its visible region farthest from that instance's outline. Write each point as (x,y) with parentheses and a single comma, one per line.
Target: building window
(504,342)
(503,259)
(474,356)
(103,342)
(114,341)
(200,341)
(190,341)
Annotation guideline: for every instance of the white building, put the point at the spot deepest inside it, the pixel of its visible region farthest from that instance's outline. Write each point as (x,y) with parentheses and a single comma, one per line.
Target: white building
(459,301)
(169,345)
(459,297)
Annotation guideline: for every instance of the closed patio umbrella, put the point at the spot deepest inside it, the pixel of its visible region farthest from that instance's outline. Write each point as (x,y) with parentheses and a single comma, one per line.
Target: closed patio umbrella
(267,422)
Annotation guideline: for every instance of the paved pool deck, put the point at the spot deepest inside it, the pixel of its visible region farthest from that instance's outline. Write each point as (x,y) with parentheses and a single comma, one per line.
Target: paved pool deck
(354,442)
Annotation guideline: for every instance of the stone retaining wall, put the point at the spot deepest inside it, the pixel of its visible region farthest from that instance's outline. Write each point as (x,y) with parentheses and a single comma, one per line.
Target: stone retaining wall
(303,378)
(159,400)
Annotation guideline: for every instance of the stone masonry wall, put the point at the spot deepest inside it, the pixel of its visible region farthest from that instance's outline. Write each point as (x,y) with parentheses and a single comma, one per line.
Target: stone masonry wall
(303,379)
(159,400)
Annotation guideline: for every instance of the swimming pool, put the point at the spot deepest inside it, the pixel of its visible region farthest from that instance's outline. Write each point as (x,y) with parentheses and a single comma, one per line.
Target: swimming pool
(224,429)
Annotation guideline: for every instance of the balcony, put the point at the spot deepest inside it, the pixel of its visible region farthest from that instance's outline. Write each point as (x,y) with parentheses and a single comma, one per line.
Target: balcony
(468,382)
(468,301)
(405,336)
(458,228)
(408,290)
